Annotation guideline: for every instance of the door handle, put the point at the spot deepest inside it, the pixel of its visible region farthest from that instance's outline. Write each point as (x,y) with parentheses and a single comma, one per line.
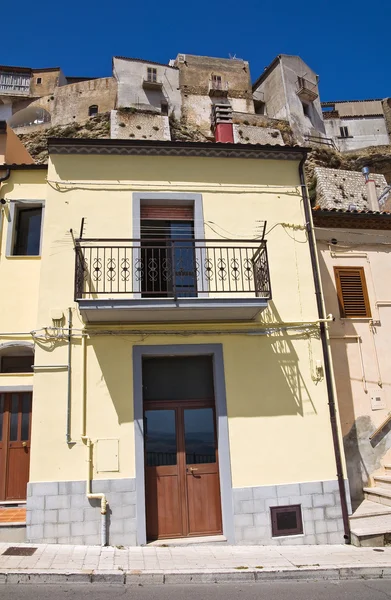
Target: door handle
(24,444)
(192,469)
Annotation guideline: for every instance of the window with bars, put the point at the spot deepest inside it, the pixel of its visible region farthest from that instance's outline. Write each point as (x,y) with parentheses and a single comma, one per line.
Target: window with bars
(352,292)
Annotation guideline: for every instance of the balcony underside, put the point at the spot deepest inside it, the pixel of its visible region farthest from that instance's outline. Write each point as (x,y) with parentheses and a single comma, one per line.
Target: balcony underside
(307,95)
(153,310)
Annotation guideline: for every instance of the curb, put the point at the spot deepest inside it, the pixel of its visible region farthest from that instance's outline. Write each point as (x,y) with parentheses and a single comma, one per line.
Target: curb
(187,577)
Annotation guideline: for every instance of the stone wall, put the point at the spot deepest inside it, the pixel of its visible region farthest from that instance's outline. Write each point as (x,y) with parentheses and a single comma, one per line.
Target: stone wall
(50,80)
(195,74)
(248,134)
(139,125)
(320,508)
(339,189)
(60,513)
(71,102)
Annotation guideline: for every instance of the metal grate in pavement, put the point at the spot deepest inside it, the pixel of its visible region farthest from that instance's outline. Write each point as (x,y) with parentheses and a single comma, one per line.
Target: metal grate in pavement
(19,551)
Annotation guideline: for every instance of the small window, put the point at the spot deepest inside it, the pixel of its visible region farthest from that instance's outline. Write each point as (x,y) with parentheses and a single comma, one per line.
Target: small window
(151,74)
(259,107)
(93,110)
(39,80)
(28,231)
(352,292)
(286,520)
(17,364)
(164,108)
(306,110)
(344,131)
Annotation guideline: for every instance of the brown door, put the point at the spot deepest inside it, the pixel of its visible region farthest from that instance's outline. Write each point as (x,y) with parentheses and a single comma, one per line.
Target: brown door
(15,427)
(181,466)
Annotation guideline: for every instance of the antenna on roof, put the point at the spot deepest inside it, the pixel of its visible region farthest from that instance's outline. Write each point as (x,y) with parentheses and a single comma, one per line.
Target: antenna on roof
(232,56)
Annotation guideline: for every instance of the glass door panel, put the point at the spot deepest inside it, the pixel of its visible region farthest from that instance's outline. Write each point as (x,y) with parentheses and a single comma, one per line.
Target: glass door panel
(200,442)
(160,437)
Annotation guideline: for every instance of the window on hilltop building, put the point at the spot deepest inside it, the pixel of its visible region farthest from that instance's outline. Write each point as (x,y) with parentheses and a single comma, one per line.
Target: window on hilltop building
(164,108)
(151,74)
(27,235)
(344,131)
(259,107)
(39,80)
(93,110)
(217,82)
(352,292)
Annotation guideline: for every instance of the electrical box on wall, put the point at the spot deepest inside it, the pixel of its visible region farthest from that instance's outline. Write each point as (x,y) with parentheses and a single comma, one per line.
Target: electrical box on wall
(377,402)
(107,455)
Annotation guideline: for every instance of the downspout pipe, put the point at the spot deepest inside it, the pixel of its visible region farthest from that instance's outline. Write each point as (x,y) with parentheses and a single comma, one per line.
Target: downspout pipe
(88,443)
(326,352)
(69,394)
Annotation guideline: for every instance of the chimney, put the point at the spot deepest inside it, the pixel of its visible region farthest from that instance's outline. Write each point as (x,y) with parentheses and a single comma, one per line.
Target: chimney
(373,203)
(222,123)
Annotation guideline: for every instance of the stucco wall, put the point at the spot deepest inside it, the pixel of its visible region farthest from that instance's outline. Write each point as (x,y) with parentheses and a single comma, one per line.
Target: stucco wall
(294,67)
(271,92)
(130,75)
(364,132)
(20,274)
(357,379)
(273,391)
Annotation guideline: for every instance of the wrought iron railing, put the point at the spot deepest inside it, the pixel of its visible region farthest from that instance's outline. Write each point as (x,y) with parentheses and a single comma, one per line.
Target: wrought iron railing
(170,269)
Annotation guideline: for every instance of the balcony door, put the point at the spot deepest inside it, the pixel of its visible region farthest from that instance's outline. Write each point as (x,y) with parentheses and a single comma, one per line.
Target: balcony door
(15,426)
(181,454)
(168,252)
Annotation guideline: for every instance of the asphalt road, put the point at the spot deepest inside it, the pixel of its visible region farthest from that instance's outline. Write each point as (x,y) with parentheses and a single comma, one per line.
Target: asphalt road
(379,589)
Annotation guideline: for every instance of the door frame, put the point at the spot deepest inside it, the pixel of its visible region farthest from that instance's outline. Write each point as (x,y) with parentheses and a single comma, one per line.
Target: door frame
(15,389)
(216,351)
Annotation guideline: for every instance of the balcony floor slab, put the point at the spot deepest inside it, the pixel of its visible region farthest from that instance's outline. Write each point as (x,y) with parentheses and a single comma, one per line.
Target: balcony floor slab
(160,310)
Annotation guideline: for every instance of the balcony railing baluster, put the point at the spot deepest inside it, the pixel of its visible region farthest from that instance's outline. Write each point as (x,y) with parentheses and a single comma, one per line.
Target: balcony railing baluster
(171,269)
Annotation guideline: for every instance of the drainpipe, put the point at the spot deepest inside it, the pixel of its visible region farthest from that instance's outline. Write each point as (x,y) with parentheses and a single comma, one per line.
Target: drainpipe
(69,396)
(326,353)
(88,443)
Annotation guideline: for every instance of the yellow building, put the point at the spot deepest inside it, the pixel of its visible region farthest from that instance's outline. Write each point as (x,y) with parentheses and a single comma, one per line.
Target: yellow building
(179,379)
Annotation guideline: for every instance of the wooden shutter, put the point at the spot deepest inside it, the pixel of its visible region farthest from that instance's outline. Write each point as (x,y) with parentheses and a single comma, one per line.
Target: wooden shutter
(166,213)
(352,292)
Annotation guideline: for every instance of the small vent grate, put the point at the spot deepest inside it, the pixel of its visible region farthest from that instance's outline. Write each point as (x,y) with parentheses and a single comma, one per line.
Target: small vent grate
(19,551)
(352,292)
(286,520)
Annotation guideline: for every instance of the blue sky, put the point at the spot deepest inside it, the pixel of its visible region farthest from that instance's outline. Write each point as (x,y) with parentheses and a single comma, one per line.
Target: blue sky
(344,42)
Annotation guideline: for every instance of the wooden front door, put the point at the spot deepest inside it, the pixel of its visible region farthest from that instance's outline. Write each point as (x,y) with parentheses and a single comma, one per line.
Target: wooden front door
(15,428)
(181,468)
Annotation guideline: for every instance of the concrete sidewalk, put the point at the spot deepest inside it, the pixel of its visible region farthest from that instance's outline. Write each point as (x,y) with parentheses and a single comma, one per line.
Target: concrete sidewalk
(191,564)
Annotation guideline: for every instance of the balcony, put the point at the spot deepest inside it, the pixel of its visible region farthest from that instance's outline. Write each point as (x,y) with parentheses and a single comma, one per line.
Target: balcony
(170,281)
(218,88)
(306,90)
(151,83)
(14,84)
